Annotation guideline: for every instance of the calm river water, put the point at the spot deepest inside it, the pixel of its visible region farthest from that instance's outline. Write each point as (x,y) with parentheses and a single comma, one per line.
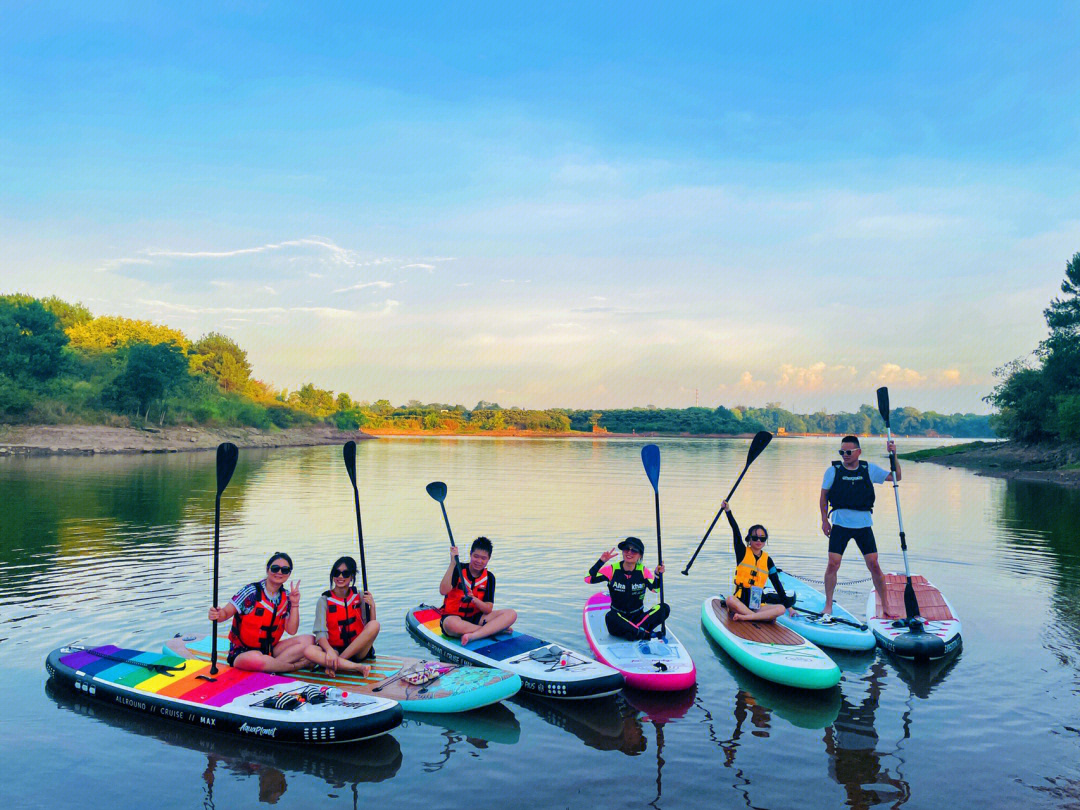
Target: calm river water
(116,550)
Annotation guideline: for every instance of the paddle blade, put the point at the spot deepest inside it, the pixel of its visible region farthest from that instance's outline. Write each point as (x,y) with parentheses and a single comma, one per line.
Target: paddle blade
(437,490)
(227,454)
(911,604)
(650,457)
(760,442)
(883,404)
(349,453)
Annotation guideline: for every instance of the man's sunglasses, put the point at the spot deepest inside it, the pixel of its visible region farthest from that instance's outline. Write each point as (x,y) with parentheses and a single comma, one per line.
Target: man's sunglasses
(847,452)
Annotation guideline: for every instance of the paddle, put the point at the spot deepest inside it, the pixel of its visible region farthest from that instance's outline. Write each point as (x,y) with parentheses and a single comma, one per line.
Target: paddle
(760,442)
(836,620)
(650,458)
(911,604)
(349,452)
(226,465)
(437,490)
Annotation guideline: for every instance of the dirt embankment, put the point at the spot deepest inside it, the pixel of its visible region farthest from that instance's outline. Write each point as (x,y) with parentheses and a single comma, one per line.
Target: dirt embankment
(44,440)
(1058,463)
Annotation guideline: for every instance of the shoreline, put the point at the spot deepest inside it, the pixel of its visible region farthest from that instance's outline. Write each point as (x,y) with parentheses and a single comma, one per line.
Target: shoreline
(1056,464)
(21,441)
(77,439)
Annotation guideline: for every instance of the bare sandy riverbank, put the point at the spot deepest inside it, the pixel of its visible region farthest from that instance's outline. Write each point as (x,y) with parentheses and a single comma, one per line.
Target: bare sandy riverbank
(43,440)
(1057,464)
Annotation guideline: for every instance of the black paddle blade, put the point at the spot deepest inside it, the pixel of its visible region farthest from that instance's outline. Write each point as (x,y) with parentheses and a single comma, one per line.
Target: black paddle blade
(227,454)
(911,604)
(349,453)
(437,490)
(883,404)
(650,457)
(760,442)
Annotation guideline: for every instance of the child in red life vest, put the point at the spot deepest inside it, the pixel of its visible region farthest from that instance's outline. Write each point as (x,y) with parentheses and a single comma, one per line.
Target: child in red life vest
(345,626)
(469,611)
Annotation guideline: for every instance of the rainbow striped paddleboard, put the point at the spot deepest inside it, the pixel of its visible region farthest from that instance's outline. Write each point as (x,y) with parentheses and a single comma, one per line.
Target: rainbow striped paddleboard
(657,665)
(234,701)
(419,686)
(546,669)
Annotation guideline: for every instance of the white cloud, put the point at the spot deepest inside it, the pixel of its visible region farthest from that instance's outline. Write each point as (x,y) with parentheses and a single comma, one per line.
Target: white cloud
(382,285)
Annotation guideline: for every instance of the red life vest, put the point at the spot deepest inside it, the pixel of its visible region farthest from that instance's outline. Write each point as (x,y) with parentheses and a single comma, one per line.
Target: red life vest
(452,604)
(262,627)
(344,621)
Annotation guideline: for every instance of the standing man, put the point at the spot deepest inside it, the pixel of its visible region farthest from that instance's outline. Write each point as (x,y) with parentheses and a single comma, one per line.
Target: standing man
(847,494)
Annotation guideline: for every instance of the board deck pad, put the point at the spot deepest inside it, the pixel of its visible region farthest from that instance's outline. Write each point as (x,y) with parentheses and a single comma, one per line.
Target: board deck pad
(661,665)
(454,689)
(232,700)
(546,668)
(770,651)
(761,632)
(932,605)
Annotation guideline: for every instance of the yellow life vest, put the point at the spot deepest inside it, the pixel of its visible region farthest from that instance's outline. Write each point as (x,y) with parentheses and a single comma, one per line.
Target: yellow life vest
(751,572)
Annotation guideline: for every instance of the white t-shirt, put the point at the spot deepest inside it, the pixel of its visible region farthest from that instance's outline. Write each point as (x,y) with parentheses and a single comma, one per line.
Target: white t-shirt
(853,518)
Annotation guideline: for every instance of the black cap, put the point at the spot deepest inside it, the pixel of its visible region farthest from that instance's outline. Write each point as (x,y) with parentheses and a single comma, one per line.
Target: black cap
(632,544)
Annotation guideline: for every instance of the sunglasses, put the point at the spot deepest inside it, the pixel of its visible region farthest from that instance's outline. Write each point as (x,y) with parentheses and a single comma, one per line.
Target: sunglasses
(847,452)
(342,572)
(756,539)
(279,569)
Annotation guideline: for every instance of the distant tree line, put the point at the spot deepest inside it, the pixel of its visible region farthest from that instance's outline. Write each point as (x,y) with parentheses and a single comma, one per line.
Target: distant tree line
(1038,399)
(59,363)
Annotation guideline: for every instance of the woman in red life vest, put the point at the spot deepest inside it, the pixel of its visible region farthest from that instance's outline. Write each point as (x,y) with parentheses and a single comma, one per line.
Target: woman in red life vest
(471,613)
(261,613)
(342,637)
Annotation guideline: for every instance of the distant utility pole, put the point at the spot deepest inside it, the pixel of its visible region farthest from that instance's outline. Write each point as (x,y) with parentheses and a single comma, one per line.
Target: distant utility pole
(695,397)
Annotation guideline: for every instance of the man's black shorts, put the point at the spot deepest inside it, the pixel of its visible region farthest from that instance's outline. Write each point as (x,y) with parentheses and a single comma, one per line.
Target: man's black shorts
(864,539)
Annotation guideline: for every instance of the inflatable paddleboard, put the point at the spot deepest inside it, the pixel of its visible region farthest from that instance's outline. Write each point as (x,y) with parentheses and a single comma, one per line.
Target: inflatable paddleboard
(773,652)
(546,669)
(419,686)
(838,635)
(657,665)
(251,704)
(937,635)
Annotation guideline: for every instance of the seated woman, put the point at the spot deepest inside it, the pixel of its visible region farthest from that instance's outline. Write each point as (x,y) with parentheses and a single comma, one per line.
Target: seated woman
(261,613)
(627,583)
(342,637)
(753,568)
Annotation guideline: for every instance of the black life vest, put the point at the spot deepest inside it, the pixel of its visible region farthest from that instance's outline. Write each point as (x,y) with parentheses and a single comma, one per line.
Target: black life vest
(627,588)
(344,621)
(852,489)
(262,627)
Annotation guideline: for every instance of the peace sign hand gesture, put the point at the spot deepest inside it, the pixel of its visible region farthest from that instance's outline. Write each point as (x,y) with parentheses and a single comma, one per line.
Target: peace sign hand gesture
(294,593)
(607,555)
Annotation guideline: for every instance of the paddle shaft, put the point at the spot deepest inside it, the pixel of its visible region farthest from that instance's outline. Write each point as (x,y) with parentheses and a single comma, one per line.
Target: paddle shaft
(686,571)
(911,603)
(217,546)
(659,555)
(460,568)
(363,563)
(835,619)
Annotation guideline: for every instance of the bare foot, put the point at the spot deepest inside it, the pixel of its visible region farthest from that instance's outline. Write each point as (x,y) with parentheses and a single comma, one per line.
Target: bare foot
(464,639)
(737,617)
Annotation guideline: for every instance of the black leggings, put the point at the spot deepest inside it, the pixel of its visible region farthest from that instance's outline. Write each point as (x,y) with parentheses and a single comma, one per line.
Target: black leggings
(622,624)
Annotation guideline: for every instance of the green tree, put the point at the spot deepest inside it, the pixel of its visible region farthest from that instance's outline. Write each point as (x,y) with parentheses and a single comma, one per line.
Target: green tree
(152,371)
(31,340)
(219,358)
(68,314)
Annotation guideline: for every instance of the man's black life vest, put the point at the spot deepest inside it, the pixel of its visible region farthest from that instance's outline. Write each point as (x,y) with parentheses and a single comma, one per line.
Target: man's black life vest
(852,489)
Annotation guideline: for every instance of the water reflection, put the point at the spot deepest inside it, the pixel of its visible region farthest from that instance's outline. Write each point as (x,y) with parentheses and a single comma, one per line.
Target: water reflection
(660,708)
(240,758)
(469,732)
(608,724)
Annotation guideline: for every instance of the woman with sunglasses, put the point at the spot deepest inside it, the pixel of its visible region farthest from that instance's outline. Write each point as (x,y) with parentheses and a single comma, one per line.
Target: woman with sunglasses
(261,613)
(342,637)
(753,568)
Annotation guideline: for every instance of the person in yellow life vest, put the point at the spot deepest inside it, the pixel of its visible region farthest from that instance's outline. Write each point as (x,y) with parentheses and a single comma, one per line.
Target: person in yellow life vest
(468,608)
(342,638)
(753,569)
(261,614)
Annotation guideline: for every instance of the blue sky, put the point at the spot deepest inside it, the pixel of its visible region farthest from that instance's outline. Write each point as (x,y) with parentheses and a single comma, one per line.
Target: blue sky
(613,206)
